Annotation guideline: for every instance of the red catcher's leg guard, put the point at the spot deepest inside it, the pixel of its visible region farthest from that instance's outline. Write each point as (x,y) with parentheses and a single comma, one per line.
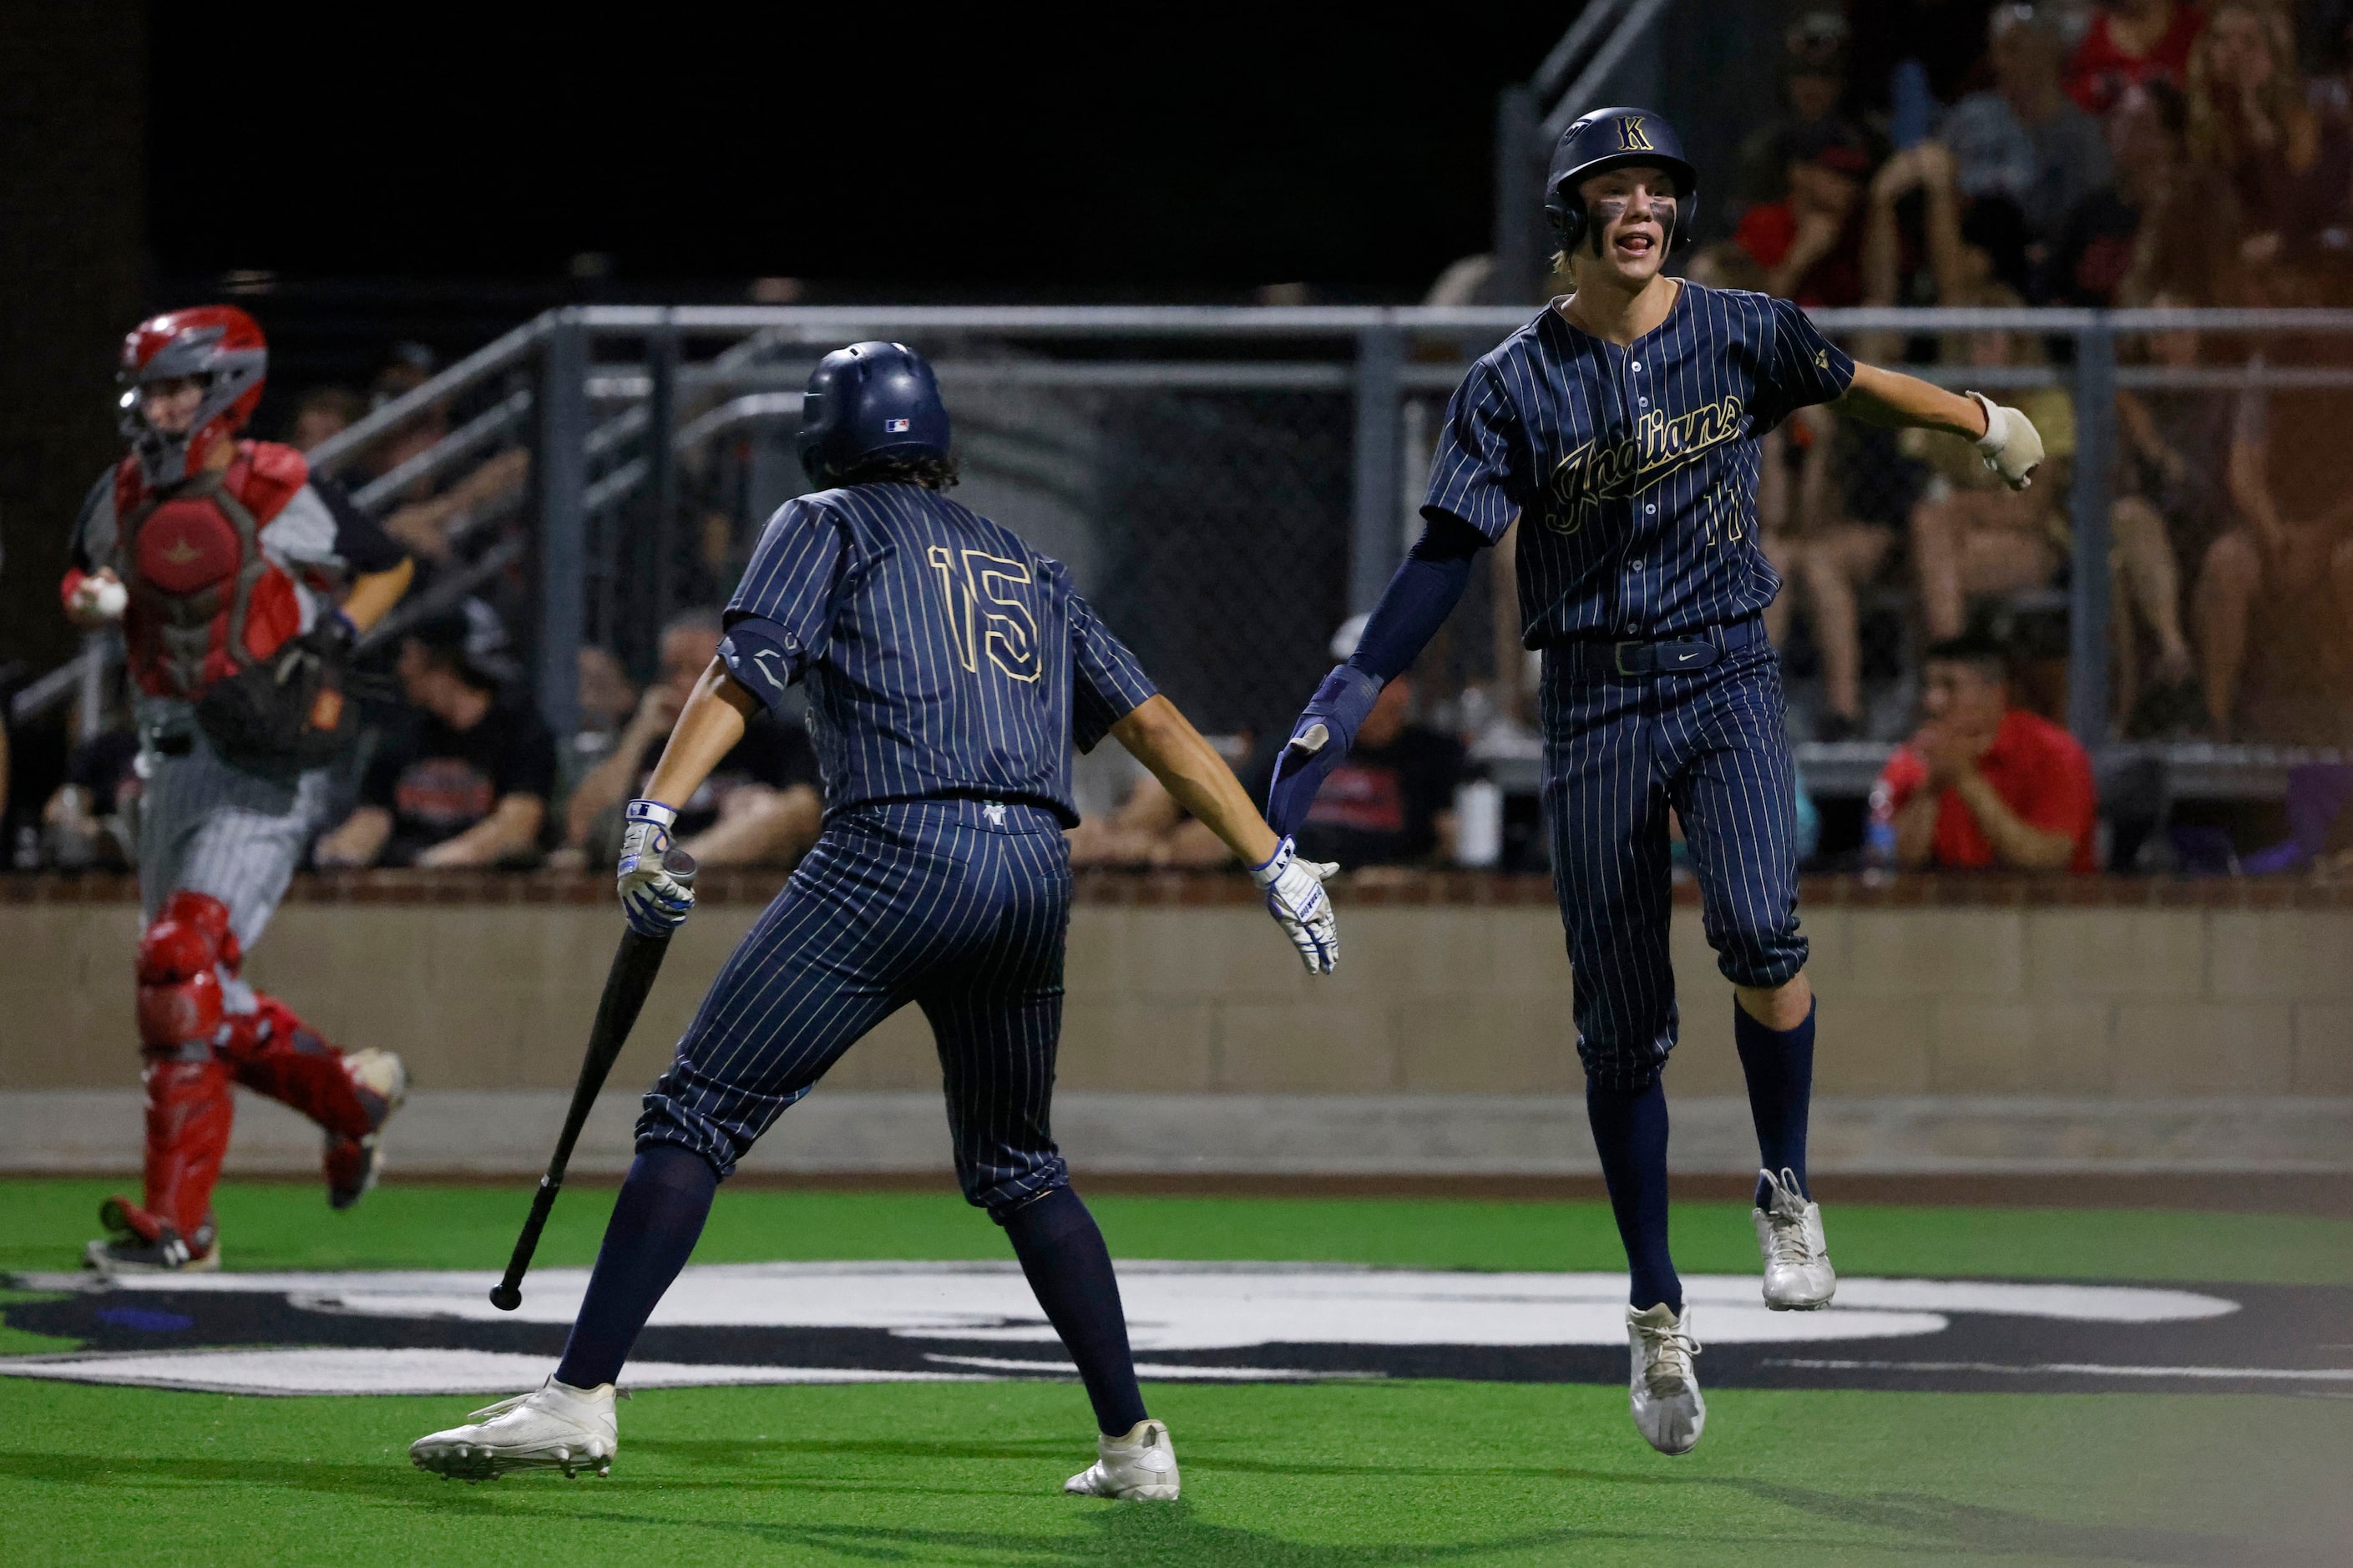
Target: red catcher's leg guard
(189,1110)
(179,978)
(273,1052)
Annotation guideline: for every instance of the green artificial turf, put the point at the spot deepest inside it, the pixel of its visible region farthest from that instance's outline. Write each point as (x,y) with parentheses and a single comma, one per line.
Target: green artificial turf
(1327,1476)
(288,1226)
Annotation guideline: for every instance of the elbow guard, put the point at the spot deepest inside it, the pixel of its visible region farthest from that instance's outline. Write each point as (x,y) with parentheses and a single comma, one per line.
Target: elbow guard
(763,658)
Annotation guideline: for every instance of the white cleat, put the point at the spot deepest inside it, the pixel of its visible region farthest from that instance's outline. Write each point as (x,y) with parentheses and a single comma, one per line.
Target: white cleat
(1140,1466)
(1798,1273)
(1668,1410)
(554,1427)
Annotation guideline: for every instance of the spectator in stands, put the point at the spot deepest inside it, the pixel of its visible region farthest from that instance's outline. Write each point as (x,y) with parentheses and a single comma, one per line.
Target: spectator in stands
(1896,270)
(2176,445)
(2273,604)
(1810,243)
(2097,253)
(760,805)
(2250,124)
(1392,801)
(1823,555)
(2130,42)
(1148,828)
(429,527)
(2330,97)
(1946,40)
(1813,86)
(93,818)
(410,367)
(322,412)
(1971,534)
(2024,140)
(466,781)
(607,699)
(1982,784)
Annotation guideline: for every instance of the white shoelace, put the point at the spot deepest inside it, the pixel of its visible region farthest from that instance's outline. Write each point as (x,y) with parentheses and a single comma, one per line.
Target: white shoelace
(1667,1355)
(1786,1215)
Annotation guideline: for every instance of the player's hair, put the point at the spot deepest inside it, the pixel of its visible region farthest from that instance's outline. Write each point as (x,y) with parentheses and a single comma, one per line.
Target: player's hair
(1981,653)
(932,473)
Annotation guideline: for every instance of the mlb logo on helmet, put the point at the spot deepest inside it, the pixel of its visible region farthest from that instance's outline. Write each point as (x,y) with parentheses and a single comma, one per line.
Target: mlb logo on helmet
(895,427)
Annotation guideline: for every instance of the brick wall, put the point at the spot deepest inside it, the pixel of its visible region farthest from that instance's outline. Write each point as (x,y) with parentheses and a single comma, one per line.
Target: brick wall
(1448,986)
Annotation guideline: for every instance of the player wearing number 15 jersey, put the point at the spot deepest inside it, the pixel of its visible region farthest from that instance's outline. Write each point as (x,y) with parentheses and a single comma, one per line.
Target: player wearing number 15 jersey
(950,669)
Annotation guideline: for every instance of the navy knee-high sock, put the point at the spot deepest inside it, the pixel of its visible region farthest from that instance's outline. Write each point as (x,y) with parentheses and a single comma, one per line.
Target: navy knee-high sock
(1069,1267)
(653,1229)
(1630,1129)
(1779,1067)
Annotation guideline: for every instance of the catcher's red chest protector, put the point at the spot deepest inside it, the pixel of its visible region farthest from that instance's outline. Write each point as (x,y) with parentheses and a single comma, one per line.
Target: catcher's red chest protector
(205,602)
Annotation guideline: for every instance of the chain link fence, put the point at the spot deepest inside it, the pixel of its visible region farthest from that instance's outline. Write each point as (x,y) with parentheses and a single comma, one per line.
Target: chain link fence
(1230,484)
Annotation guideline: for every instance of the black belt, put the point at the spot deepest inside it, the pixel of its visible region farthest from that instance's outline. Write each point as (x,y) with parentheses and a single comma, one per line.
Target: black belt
(1638,657)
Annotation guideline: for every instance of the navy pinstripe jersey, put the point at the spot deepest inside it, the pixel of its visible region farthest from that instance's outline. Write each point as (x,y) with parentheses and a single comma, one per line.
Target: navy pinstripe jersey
(1635,467)
(943,656)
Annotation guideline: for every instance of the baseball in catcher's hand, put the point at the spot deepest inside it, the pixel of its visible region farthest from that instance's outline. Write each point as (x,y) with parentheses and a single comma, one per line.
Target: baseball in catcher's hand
(2011,447)
(99,597)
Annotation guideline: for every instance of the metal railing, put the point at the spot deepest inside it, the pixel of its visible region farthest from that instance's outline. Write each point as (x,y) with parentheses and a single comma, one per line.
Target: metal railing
(1213,470)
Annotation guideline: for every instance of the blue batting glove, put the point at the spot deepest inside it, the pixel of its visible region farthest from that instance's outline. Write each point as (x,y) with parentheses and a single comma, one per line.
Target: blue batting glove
(1320,738)
(655,903)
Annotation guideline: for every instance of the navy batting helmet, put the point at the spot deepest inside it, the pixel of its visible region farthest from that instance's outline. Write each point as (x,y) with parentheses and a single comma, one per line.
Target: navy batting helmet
(1611,138)
(870,400)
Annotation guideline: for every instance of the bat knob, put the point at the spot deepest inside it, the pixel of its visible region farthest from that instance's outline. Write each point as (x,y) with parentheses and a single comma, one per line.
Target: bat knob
(678,864)
(505,1297)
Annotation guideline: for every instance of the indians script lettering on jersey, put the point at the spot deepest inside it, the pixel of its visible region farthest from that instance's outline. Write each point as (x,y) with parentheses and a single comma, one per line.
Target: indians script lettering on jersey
(943,656)
(1636,468)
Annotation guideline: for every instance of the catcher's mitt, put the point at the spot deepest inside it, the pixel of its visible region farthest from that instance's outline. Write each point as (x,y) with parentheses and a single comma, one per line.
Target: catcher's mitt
(287,713)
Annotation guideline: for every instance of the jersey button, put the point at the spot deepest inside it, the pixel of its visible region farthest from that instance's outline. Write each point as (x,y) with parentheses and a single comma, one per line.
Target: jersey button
(1638,367)
(1643,400)
(1651,508)
(1633,567)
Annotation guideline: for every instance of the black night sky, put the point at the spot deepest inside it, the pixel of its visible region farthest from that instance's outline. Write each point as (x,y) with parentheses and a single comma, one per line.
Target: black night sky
(1124,153)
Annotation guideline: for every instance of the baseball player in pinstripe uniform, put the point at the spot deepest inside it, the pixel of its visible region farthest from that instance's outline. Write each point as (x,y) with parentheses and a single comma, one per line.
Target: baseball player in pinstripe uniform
(223,558)
(1620,429)
(950,669)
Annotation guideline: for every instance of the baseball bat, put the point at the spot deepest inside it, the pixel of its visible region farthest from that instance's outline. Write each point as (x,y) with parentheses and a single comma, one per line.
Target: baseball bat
(635,963)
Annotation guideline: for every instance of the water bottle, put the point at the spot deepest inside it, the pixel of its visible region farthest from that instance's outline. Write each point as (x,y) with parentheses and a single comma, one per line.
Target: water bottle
(1478,823)
(1879,836)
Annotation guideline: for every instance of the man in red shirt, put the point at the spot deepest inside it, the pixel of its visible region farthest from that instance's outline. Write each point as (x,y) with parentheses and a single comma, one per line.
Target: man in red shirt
(1810,242)
(1982,784)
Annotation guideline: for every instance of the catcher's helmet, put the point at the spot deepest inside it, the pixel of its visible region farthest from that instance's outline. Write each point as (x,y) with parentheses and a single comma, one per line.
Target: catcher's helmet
(1611,138)
(870,400)
(218,345)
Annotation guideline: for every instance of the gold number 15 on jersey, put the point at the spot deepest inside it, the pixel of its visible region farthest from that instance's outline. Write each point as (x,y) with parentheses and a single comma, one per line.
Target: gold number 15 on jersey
(985,613)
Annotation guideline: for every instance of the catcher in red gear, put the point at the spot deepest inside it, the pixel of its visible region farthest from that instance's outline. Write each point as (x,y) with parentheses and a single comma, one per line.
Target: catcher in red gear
(241,582)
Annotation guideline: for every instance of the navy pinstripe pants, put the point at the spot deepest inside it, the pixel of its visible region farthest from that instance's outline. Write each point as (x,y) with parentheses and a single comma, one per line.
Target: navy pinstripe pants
(1617,753)
(960,906)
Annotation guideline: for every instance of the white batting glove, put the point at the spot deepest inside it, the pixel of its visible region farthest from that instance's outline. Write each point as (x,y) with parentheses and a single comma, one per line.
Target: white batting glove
(1296,898)
(2011,446)
(655,902)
